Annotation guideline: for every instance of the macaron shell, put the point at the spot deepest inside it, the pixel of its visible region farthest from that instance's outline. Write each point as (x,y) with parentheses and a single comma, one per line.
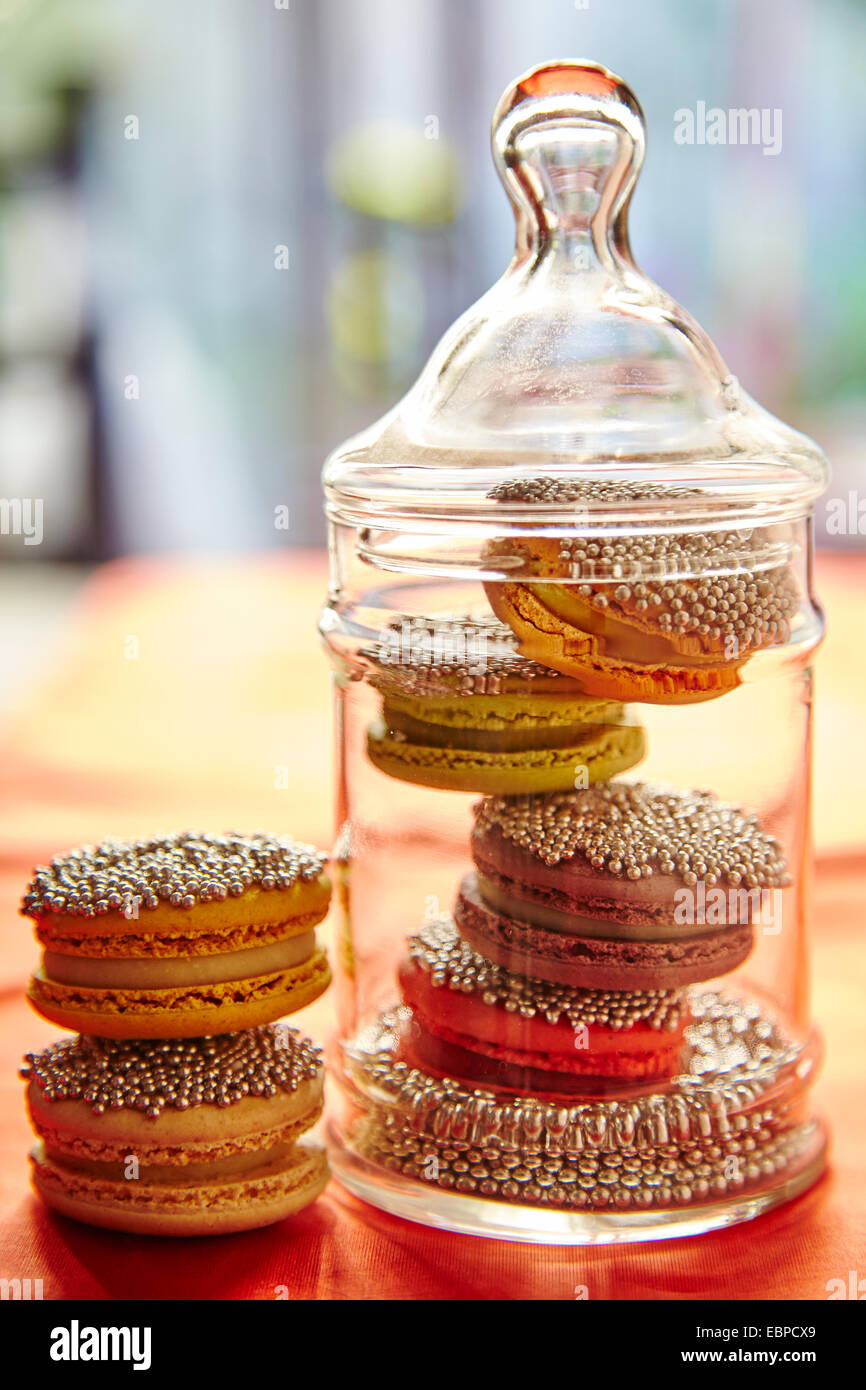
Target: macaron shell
(78,937)
(604,752)
(447,687)
(549,639)
(291,909)
(533,709)
(491,1028)
(262,1197)
(593,962)
(186,1012)
(574,886)
(483,1064)
(204,1133)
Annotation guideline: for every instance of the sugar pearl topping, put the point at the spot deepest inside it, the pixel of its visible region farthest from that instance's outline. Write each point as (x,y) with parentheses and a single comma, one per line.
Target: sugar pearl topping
(182,1074)
(635,829)
(183,869)
(665,1178)
(723,588)
(451,963)
(570,491)
(475,654)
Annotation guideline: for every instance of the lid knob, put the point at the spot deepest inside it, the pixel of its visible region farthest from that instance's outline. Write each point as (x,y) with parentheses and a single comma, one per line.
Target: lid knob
(568,140)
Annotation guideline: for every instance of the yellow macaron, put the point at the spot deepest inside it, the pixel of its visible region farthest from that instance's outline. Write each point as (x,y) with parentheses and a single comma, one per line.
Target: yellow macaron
(462,710)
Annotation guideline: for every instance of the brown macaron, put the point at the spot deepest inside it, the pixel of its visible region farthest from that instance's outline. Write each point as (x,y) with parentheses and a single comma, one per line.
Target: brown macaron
(621,886)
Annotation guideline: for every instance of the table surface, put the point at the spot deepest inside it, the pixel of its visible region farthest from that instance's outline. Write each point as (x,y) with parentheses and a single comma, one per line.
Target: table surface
(228,683)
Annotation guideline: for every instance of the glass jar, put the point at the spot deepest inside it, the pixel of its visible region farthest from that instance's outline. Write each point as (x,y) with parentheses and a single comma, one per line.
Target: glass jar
(571,624)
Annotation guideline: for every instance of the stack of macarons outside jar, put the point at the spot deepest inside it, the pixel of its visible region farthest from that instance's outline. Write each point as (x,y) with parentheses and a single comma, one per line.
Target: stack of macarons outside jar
(179,1105)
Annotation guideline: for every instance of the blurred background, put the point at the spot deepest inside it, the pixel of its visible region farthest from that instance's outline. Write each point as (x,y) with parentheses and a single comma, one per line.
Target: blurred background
(232,230)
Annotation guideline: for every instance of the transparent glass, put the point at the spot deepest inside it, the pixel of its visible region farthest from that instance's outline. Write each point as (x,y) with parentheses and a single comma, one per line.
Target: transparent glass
(570,585)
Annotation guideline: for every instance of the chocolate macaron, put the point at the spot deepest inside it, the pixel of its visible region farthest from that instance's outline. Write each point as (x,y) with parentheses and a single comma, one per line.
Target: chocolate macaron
(476,1021)
(190,1137)
(621,886)
(178,936)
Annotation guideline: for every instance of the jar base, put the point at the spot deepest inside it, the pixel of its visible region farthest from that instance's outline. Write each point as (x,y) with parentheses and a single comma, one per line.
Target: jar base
(427,1204)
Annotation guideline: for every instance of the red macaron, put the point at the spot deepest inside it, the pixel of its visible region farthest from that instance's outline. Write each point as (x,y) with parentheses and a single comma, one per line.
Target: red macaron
(472,1019)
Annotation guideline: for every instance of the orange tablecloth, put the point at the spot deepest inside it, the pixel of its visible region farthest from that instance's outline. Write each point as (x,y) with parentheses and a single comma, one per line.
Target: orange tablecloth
(227,685)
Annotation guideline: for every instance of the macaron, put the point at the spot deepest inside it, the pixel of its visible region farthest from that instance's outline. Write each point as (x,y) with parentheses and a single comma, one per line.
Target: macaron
(464,711)
(476,1021)
(191,1137)
(622,886)
(659,616)
(178,936)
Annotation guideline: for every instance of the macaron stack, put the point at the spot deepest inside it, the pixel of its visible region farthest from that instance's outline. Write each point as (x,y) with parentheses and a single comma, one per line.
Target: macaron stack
(563,974)
(564,969)
(178,1108)
(564,966)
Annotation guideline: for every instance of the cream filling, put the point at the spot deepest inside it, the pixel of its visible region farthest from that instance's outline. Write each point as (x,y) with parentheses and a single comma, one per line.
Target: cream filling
(229,1166)
(516,738)
(573,924)
(171,972)
(620,638)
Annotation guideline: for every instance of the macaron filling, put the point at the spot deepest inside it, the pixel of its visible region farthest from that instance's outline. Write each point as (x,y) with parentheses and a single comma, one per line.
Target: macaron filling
(536,907)
(515,736)
(168,972)
(228,1166)
(619,639)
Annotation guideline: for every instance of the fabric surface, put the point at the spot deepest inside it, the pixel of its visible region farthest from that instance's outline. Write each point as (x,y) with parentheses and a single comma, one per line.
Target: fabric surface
(223,686)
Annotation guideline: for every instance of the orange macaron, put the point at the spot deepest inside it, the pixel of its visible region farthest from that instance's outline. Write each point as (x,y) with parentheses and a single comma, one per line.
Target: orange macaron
(663,616)
(178,936)
(195,1136)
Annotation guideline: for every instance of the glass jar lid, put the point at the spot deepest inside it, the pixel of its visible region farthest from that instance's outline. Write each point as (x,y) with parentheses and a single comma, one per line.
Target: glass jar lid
(574,367)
